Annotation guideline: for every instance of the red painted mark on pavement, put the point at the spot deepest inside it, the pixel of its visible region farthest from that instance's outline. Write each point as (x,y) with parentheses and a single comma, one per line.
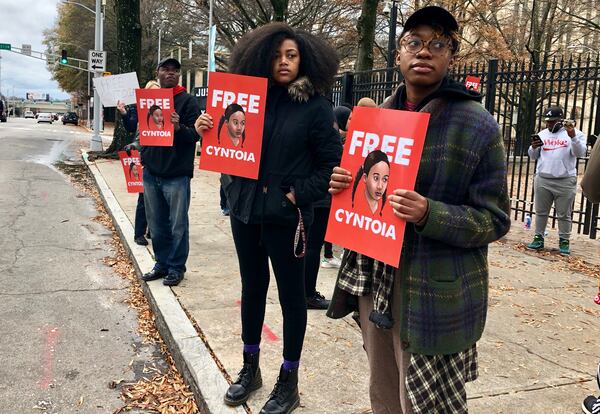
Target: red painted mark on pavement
(271,337)
(269,334)
(44,195)
(51,335)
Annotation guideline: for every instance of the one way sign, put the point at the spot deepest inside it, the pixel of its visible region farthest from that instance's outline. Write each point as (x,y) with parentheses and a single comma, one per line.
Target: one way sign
(97,60)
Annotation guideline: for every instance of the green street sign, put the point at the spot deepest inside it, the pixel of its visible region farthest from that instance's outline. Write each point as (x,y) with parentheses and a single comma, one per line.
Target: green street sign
(4,46)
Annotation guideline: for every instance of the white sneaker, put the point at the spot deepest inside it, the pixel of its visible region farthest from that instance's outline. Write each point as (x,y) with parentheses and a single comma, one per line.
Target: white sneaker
(332,263)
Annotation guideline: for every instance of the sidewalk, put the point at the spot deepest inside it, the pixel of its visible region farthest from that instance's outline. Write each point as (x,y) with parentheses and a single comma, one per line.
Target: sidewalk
(538,353)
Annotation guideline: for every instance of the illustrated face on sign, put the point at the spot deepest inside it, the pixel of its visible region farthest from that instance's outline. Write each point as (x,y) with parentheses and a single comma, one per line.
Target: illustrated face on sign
(133,172)
(376,181)
(156,119)
(234,118)
(375,173)
(236,124)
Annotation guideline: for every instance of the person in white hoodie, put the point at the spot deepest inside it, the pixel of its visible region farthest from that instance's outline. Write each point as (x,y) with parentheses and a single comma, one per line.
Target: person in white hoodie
(556,150)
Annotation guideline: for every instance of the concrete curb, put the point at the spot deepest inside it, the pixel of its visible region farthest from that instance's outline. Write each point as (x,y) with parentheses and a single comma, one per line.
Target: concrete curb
(192,357)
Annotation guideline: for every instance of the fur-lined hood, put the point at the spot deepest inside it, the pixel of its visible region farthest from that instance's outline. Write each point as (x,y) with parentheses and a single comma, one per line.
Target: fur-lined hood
(301,90)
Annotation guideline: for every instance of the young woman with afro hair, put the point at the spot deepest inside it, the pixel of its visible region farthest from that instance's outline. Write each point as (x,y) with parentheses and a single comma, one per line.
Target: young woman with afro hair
(269,215)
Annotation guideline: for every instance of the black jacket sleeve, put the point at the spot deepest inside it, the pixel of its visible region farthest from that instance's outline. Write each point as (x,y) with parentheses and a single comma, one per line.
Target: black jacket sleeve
(326,149)
(130,119)
(189,113)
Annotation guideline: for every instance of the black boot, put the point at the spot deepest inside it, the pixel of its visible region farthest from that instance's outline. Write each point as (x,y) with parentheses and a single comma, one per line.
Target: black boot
(285,398)
(249,380)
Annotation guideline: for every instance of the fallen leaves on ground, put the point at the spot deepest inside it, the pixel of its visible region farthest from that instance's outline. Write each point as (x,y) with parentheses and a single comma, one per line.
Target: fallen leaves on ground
(563,263)
(163,393)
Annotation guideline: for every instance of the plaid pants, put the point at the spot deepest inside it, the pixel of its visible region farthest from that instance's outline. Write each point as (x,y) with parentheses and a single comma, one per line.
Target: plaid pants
(436,384)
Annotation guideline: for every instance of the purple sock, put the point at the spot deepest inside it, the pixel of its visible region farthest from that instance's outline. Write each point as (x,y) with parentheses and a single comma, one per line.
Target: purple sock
(290,365)
(252,349)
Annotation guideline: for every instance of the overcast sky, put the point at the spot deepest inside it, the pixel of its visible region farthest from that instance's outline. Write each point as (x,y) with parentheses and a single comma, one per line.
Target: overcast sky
(23,22)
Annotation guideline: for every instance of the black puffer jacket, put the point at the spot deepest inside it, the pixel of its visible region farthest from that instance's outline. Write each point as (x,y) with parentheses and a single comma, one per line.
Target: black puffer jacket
(300,148)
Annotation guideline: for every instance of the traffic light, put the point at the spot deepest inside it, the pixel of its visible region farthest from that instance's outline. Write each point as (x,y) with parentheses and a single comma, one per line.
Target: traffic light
(63,57)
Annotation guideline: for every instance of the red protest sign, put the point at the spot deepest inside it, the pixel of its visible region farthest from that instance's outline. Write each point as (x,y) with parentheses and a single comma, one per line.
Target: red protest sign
(382,150)
(132,167)
(154,108)
(472,83)
(237,105)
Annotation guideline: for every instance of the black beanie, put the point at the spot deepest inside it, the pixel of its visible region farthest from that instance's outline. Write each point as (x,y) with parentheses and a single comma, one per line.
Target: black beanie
(341,116)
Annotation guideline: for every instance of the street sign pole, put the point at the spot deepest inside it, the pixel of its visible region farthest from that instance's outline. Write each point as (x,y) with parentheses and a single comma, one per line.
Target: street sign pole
(96,143)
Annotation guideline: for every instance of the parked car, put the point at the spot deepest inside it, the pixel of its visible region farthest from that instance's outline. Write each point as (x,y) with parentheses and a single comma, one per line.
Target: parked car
(29,114)
(70,118)
(45,117)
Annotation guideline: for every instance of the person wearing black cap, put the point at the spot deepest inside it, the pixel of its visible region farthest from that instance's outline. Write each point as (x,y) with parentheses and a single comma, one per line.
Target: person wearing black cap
(167,175)
(460,205)
(556,150)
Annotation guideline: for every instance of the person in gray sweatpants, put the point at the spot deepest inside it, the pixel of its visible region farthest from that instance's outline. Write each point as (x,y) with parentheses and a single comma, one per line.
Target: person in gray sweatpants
(556,150)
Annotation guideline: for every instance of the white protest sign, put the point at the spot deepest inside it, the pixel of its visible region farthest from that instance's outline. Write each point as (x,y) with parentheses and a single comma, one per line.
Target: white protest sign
(117,88)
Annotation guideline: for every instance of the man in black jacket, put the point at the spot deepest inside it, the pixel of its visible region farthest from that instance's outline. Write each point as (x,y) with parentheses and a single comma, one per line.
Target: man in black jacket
(167,174)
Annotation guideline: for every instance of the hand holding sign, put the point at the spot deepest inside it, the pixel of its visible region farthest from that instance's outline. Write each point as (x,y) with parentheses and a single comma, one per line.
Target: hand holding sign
(121,108)
(175,121)
(340,180)
(204,122)
(409,205)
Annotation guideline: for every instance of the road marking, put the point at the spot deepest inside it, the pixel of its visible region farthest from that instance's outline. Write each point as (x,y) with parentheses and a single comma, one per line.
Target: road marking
(56,131)
(51,335)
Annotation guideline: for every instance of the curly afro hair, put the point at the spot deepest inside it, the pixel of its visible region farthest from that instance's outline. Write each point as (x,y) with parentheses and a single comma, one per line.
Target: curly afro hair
(253,55)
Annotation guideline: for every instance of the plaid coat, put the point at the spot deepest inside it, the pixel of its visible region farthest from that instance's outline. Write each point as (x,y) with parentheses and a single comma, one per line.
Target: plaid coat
(443,267)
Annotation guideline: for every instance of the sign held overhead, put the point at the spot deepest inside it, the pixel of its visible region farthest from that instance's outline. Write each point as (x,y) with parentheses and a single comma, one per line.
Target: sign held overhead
(97,61)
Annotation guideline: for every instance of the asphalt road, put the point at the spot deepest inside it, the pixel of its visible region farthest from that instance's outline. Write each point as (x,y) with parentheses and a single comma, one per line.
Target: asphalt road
(65,331)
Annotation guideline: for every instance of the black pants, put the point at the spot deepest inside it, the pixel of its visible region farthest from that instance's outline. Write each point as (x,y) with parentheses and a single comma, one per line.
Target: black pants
(140,218)
(223,198)
(327,247)
(255,245)
(315,240)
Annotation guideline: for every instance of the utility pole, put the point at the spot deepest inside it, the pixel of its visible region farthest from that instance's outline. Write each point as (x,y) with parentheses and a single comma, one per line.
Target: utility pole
(0,74)
(210,36)
(188,76)
(96,144)
(161,27)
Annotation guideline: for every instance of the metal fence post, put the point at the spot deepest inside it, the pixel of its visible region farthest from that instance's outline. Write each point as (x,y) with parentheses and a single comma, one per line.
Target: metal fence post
(490,88)
(347,86)
(594,222)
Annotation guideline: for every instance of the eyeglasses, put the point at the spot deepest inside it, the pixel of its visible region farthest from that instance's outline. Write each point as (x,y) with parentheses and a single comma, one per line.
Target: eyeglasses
(436,46)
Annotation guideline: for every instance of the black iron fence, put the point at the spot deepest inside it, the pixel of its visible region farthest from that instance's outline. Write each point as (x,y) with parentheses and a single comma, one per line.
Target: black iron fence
(515,93)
